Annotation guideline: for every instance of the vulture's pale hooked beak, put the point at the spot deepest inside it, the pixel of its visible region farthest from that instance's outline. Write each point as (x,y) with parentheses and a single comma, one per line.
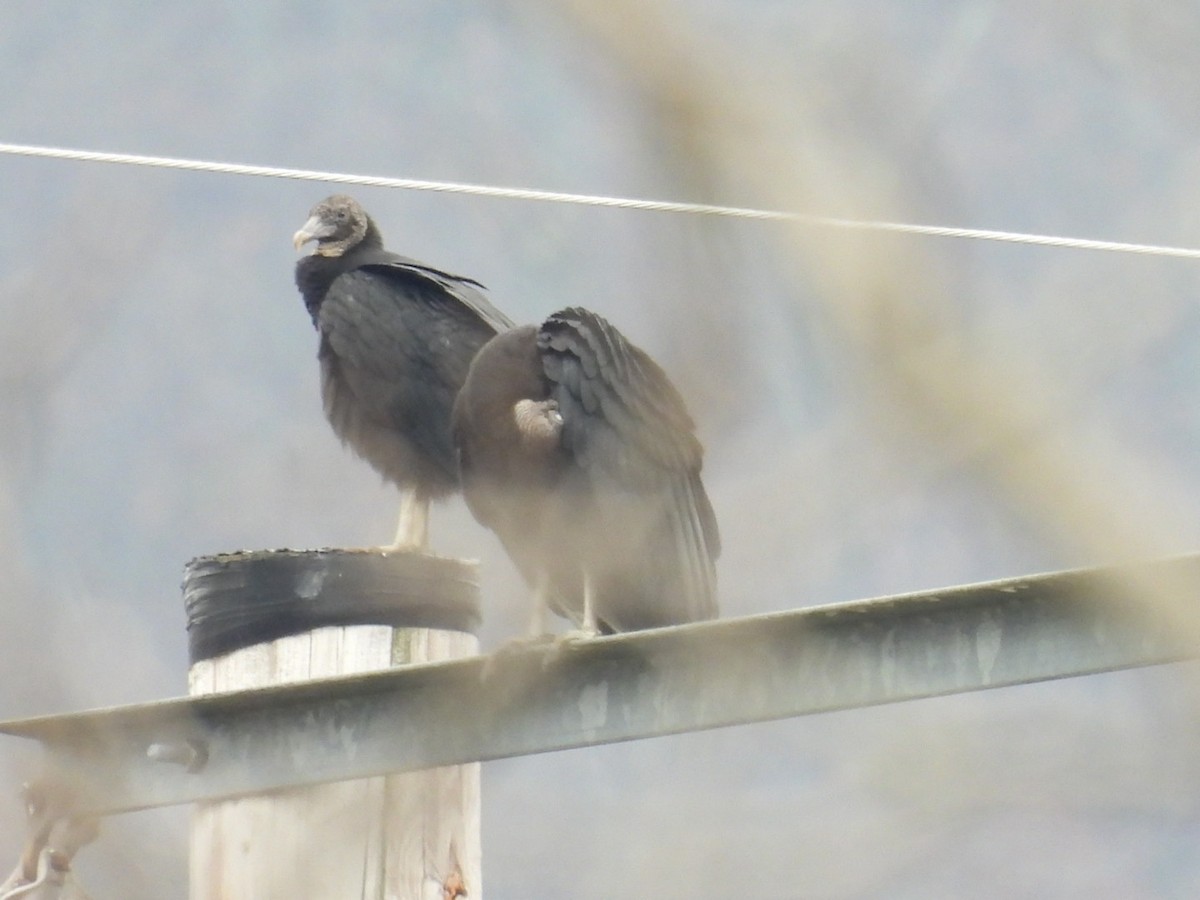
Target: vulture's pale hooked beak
(314,229)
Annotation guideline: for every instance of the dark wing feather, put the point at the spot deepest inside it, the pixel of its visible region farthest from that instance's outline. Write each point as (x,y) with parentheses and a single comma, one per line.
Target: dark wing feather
(621,395)
(465,290)
(630,435)
(401,344)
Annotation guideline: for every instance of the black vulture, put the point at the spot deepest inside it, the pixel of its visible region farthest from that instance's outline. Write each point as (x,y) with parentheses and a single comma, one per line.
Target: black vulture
(396,340)
(577,451)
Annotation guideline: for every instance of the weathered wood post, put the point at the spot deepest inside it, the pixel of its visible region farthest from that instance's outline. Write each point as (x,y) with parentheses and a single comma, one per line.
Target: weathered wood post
(266,618)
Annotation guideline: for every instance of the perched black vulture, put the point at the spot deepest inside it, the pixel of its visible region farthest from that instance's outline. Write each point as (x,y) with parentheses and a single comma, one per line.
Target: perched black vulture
(577,450)
(397,338)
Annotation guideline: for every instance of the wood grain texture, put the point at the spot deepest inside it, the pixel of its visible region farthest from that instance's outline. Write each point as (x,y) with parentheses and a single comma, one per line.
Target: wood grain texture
(383,838)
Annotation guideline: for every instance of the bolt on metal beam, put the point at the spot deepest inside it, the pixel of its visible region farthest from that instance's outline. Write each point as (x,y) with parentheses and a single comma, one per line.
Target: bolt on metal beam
(538,698)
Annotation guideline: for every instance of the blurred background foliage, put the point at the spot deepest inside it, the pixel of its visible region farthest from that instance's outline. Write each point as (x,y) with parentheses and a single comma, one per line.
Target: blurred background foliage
(159,389)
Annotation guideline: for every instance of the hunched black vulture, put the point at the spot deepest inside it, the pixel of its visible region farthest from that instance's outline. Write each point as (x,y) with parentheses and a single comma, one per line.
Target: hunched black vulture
(396,340)
(578,452)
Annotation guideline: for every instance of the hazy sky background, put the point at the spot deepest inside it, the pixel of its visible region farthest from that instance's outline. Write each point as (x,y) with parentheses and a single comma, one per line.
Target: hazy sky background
(159,399)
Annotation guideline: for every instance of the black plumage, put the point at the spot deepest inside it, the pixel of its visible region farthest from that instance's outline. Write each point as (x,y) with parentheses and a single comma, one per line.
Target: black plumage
(578,452)
(396,340)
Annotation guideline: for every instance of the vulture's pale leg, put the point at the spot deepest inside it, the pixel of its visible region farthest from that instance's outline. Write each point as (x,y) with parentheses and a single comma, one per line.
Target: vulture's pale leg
(539,630)
(588,626)
(584,631)
(412,531)
(538,627)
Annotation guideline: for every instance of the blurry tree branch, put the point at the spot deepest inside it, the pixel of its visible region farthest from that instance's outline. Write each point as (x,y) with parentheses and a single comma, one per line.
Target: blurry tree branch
(65,285)
(990,410)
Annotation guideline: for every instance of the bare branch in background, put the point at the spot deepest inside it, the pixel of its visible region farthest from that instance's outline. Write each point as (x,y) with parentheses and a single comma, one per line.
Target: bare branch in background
(992,410)
(52,306)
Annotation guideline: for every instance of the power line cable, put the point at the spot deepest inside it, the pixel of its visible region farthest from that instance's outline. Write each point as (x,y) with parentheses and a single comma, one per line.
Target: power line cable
(511,193)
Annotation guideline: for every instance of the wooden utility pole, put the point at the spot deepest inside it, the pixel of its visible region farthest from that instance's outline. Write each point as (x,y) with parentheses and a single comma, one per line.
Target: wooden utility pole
(261,619)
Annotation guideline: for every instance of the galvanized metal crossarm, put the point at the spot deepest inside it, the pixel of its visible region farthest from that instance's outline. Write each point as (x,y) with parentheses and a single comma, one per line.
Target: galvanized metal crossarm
(539,698)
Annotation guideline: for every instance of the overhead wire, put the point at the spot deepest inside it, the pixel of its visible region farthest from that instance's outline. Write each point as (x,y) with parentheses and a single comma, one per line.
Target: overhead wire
(668,206)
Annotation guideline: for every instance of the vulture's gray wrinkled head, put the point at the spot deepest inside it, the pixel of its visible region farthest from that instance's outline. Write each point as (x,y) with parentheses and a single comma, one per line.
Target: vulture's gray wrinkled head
(337,223)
